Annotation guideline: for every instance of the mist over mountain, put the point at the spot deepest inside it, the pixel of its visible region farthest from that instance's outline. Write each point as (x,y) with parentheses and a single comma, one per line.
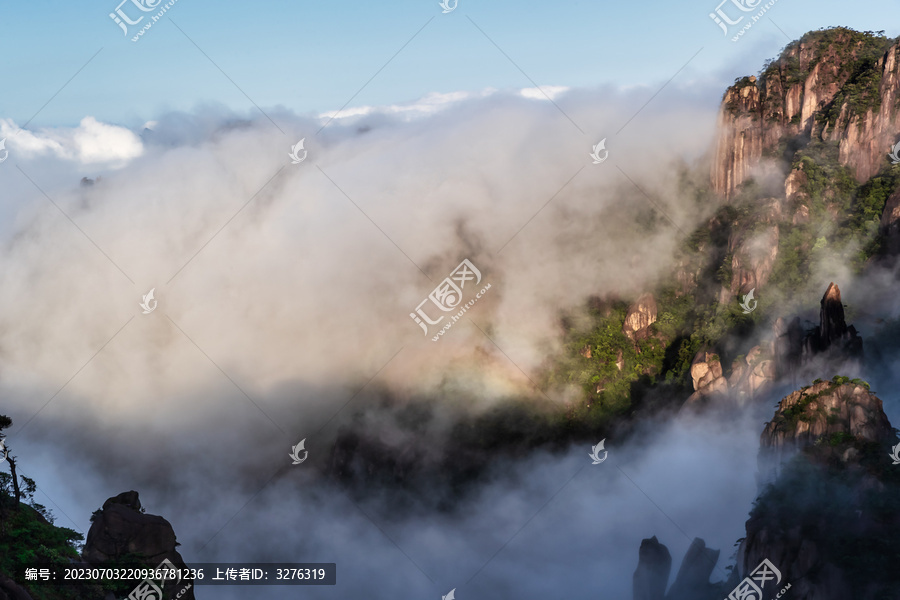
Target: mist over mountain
(662,301)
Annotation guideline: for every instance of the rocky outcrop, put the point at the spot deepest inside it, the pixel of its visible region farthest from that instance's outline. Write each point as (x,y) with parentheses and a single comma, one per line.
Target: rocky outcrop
(790,337)
(824,87)
(865,137)
(801,215)
(793,347)
(652,574)
(752,373)
(796,345)
(825,408)
(832,326)
(121,530)
(833,334)
(706,370)
(640,316)
(692,581)
(706,373)
(828,516)
(793,188)
(740,144)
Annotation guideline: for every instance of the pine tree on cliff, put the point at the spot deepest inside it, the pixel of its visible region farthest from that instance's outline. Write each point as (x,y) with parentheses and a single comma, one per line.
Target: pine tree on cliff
(5,423)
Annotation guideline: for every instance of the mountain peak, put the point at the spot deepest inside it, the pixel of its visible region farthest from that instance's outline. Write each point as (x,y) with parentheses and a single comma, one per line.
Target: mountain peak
(834,85)
(829,518)
(832,412)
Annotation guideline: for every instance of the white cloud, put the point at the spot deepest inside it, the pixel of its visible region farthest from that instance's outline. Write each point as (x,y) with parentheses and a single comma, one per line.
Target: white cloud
(92,143)
(435,102)
(299,298)
(544,92)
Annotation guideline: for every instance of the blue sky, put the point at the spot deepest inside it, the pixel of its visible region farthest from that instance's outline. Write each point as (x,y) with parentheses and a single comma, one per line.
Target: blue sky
(311,57)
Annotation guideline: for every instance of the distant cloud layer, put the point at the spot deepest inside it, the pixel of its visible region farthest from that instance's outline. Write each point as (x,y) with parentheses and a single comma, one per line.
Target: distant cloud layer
(92,143)
(436,102)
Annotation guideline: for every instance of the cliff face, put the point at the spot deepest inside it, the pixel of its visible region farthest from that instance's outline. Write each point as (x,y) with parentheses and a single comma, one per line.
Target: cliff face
(750,375)
(837,85)
(829,520)
(822,409)
(795,350)
(740,144)
(819,120)
(121,530)
(640,316)
(753,253)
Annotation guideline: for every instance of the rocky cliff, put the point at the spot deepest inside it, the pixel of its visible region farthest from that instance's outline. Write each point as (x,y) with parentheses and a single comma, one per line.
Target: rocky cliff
(749,375)
(802,159)
(834,340)
(121,535)
(836,85)
(652,574)
(802,154)
(826,409)
(691,583)
(828,514)
(640,316)
(121,531)
(752,251)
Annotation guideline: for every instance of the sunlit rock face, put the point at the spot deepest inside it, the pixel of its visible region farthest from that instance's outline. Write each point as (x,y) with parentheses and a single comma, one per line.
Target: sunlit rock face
(806,95)
(822,409)
(640,316)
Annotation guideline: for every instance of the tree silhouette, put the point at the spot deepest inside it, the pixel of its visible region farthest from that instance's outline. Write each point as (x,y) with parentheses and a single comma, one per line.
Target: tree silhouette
(5,423)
